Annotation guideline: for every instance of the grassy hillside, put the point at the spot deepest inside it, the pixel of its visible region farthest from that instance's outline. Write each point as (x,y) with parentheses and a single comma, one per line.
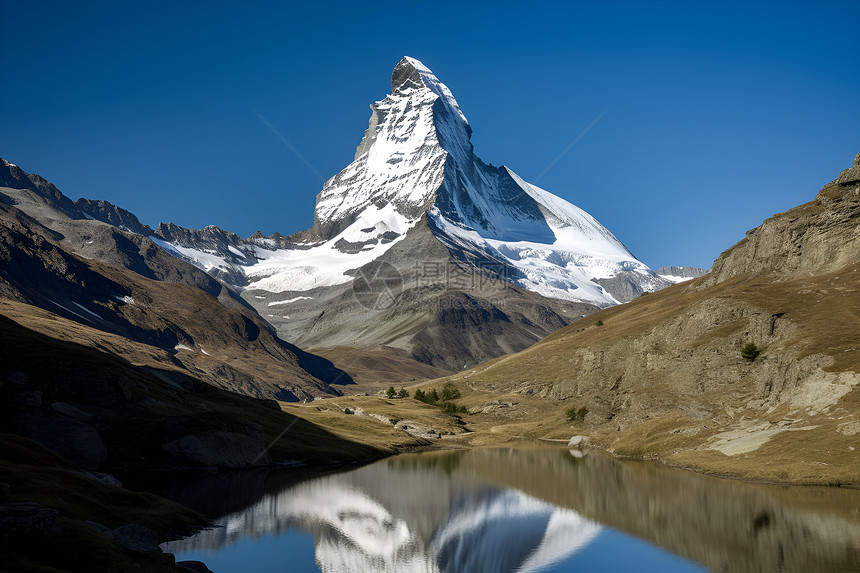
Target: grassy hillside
(665,376)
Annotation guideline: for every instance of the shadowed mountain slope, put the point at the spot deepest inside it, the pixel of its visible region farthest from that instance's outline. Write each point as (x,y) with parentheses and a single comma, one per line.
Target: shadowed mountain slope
(219,340)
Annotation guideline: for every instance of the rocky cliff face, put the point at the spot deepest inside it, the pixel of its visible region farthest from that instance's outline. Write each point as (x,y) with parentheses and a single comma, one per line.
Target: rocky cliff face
(745,370)
(415,299)
(815,238)
(44,197)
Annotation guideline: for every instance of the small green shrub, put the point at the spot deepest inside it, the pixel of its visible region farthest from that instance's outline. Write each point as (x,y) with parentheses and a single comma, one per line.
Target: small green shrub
(574,414)
(750,352)
(404,393)
(452,408)
(450,392)
(599,323)
(391,392)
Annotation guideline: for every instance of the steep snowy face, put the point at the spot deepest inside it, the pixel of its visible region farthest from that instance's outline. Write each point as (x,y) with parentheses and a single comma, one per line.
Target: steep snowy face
(414,161)
(538,240)
(399,162)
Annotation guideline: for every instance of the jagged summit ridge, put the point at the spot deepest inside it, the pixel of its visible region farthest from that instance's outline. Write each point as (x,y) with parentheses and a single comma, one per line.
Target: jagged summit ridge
(399,162)
(410,74)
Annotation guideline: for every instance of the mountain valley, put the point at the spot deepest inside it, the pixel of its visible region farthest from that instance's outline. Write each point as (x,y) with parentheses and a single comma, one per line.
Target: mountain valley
(437,303)
(419,253)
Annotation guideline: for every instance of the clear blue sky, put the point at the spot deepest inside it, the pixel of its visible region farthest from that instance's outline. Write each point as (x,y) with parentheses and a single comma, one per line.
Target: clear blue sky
(718,114)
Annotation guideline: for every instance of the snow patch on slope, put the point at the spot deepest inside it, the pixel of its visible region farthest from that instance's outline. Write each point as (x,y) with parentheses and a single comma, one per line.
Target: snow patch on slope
(576,249)
(202,259)
(290,300)
(676,280)
(325,264)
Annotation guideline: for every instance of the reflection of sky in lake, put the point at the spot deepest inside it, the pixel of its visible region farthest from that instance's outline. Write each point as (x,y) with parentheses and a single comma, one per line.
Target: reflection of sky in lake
(387,518)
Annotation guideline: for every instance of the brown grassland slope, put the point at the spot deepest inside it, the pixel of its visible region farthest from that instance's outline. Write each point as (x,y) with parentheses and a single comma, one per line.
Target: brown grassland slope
(665,377)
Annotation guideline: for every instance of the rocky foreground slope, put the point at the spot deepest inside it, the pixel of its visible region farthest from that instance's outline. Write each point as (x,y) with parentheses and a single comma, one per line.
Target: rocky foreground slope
(751,370)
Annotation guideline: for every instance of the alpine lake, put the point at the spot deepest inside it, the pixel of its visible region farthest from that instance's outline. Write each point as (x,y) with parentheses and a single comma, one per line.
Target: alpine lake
(518,510)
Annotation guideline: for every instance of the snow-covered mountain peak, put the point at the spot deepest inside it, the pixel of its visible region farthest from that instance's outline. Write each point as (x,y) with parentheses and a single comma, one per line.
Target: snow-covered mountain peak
(410,74)
(416,163)
(401,159)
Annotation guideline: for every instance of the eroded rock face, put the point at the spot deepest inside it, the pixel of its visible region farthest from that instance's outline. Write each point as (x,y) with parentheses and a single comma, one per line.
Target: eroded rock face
(852,174)
(816,237)
(685,359)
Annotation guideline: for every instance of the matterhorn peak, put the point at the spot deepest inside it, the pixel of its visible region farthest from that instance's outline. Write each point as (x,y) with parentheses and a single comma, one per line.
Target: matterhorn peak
(416,162)
(415,173)
(410,74)
(407,75)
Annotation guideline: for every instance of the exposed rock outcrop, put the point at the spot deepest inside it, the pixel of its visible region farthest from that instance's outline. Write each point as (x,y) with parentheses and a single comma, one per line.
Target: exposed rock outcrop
(852,174)
(815,238)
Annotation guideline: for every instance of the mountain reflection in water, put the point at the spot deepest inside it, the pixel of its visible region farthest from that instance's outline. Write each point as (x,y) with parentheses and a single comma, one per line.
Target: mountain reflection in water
(532,510)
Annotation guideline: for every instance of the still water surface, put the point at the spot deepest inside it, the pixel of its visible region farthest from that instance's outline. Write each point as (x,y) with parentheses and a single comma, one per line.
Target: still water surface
(516,510)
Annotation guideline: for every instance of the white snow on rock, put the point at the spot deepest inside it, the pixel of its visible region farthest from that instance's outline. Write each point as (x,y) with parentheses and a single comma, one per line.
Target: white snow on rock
(301,270)
(416,160)
(288,301)
(202,259)
(676,280)
(182,347)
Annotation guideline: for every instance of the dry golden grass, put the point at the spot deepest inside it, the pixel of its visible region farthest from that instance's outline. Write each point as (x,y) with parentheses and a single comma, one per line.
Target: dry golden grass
(667,416)
(362,427)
